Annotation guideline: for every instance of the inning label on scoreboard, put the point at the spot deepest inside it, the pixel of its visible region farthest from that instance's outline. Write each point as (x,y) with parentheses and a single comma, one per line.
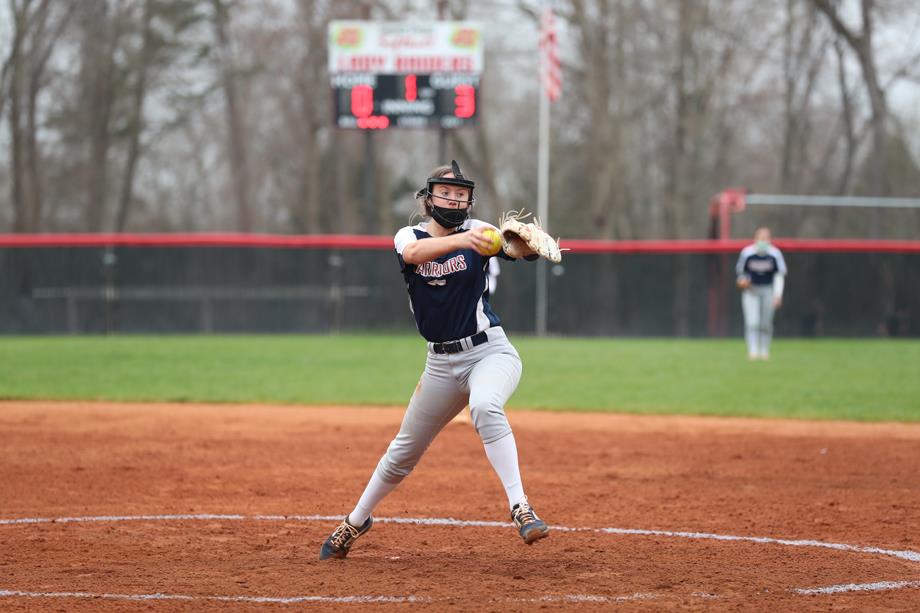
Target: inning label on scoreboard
(405,75)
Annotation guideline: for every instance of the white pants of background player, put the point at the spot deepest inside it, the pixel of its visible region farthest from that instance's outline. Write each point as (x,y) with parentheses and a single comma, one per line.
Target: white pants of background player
(757,305)
(484,377)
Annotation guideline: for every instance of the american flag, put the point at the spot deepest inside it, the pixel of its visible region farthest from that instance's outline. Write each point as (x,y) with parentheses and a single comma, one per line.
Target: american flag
(550,68)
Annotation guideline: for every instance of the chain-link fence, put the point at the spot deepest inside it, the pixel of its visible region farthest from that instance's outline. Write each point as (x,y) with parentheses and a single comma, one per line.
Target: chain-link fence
(175,289)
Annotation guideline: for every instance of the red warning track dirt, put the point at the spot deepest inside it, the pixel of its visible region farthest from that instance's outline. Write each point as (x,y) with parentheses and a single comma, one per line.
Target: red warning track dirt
(835,482)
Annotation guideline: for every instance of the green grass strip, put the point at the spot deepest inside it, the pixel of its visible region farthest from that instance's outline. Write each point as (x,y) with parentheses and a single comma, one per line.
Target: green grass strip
(869,380)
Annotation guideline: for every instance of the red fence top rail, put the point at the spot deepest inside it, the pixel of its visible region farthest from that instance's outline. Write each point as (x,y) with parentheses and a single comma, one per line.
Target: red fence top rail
(736,245)
(305,241)
(350,241)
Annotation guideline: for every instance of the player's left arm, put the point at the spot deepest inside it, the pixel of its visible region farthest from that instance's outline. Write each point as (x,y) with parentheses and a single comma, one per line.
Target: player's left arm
(779,279)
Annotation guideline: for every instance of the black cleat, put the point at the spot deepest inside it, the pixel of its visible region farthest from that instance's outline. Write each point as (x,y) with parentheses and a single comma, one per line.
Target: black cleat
(530,527)
(342,538)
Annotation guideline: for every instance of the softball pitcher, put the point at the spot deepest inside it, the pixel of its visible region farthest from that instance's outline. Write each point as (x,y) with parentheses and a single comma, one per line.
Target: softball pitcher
(761,272)
(444,262)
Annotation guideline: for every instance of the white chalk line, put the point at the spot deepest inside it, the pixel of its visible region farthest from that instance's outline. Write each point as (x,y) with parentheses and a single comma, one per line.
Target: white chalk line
(569,598)
(909,555)
(860,587)
(578,598)
(251,599)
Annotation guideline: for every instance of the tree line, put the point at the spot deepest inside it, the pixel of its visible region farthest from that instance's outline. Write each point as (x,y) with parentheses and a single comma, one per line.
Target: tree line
(205,115)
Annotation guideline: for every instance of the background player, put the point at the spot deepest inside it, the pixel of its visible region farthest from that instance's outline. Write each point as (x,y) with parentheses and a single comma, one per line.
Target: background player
(470,360)
(761,272)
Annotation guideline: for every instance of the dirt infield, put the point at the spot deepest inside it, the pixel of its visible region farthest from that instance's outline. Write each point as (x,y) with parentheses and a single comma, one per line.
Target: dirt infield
(189,507)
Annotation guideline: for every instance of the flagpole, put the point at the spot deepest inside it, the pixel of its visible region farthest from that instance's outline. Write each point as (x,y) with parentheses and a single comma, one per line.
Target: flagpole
(542,194)
(542,207)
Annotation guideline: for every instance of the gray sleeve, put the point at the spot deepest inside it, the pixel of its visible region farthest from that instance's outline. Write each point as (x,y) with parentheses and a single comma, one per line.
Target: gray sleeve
(739,267)
(780,262)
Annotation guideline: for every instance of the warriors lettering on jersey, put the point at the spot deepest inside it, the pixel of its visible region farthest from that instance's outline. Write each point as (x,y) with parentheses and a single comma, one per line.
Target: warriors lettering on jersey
(440,269)
(761,266)
(447,296)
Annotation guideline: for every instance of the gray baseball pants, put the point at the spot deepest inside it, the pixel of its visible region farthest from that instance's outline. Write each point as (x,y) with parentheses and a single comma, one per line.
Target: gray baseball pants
(757,304)
(484,377)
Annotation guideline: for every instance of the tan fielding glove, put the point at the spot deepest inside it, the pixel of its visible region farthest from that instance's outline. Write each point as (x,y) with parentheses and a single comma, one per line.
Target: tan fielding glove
(522,239)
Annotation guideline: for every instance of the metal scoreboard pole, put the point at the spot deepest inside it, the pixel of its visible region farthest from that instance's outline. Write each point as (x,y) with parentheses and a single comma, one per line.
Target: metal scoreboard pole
(442,133)
(370,182)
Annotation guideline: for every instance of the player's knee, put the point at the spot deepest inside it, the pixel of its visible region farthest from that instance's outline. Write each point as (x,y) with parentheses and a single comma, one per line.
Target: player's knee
(394,472)
(398,462)
(490,421)
(391,474)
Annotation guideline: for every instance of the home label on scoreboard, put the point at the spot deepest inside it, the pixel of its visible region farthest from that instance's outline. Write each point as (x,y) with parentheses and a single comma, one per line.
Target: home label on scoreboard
(405,74)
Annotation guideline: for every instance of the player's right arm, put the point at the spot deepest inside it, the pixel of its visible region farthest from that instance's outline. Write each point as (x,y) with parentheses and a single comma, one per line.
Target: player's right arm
(742,280)
(421,251)
(742,261)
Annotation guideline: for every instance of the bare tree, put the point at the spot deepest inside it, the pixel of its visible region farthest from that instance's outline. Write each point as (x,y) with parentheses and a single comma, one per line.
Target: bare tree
(37,28)
(236,129)
(102,23)
(804,54)
(163,40)
(601,50)
(18,194)
(861,43)
(313,31)
(6,67)
(135,119)
(847,119)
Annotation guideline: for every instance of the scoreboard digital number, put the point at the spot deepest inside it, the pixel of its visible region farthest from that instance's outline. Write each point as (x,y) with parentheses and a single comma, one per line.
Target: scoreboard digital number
(378,101)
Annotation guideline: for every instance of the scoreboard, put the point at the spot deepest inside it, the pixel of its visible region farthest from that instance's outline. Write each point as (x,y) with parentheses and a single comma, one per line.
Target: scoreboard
(378,101)
(404,74)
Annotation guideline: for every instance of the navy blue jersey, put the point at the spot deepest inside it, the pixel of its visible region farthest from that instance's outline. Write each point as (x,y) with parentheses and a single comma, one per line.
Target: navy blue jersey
(760,267)
(448,296)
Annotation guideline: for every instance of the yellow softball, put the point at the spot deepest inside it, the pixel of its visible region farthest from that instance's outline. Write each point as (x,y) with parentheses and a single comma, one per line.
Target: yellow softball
(496,245)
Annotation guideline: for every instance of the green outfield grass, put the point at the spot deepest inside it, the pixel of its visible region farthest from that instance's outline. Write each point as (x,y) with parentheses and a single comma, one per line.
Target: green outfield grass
(825,379)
